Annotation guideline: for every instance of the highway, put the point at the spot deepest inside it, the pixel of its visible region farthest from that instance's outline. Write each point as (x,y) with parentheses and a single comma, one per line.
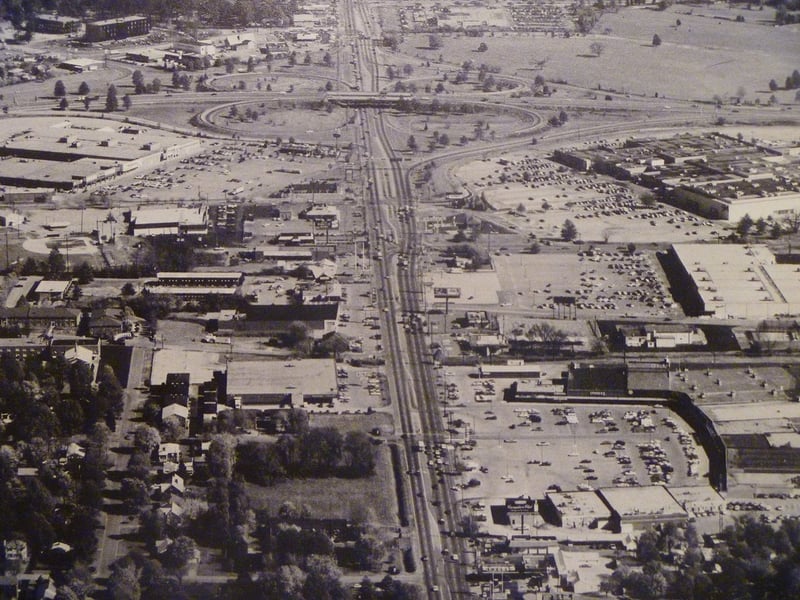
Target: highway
(410,375)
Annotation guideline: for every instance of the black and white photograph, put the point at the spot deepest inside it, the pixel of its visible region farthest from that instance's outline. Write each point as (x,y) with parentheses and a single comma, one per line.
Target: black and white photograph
(417,300)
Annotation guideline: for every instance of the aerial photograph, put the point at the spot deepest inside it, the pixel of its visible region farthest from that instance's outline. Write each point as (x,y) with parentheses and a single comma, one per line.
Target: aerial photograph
(372,300)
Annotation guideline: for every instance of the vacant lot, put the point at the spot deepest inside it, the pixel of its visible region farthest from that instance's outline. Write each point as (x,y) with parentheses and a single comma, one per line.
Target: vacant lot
(336,498)
(707,54)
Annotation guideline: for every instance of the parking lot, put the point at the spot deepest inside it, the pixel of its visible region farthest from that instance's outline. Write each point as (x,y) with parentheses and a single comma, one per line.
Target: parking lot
(527,448)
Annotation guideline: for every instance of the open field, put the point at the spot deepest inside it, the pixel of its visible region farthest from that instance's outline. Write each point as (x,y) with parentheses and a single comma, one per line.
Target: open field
(336,498)
(706,55)
(281,121)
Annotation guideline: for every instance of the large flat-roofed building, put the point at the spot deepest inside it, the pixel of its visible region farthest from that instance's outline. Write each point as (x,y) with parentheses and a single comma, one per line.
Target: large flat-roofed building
(266,384)
(68,153)
(576,510)
(714,175)
(735,281)
(117,29)
(634,510)
(183,220)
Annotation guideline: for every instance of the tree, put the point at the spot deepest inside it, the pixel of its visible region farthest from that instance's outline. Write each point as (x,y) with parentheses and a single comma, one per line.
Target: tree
(128,289)
(327,59)
(123,584)
(146,439)
(180,552)
(745,225)
(359,454)
(63,104)
(127,102)
(407,70)
(110,392)
(59,90)
(773,85)
(434,42)
(155,86)
(648,200)
(83,88)
(568,231)
(551,338)
(134,494)
(656,40)
(792,221)
(412,143)
(220,456)
(87,101)
(138,80)
(112,102)
(597,48)
(56,265)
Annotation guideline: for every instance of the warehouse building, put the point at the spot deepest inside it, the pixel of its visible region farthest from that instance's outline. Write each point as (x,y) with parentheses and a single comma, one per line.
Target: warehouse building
(267,384)
(734,281)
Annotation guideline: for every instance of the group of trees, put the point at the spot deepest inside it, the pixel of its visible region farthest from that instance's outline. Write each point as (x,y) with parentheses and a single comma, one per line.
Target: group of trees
(792,82)
(775,228)
(55,267)
(140,87)
(314,452)
(755,561)
(33,391)
(62,503)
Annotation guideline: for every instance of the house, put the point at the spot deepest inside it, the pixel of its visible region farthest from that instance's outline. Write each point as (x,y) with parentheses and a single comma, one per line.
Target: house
(239,41)
(169,452)
(175,411)
(15,555)
(169,483)
(101,323)
(85,355)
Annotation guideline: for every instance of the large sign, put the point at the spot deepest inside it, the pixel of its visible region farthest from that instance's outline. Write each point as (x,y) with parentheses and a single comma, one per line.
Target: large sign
(446,292)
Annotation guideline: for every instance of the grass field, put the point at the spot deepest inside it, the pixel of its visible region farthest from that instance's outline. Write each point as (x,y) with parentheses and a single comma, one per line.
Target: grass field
(708,54)
(336,498)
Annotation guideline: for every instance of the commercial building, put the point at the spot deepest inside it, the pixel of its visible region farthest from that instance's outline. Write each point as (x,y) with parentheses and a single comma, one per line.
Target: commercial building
(734,281)
(117,29)
(713,175)
(266,384)
(645,507)
(577,509)
(69,153)
(183,220)
(660,335)
(51,291)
